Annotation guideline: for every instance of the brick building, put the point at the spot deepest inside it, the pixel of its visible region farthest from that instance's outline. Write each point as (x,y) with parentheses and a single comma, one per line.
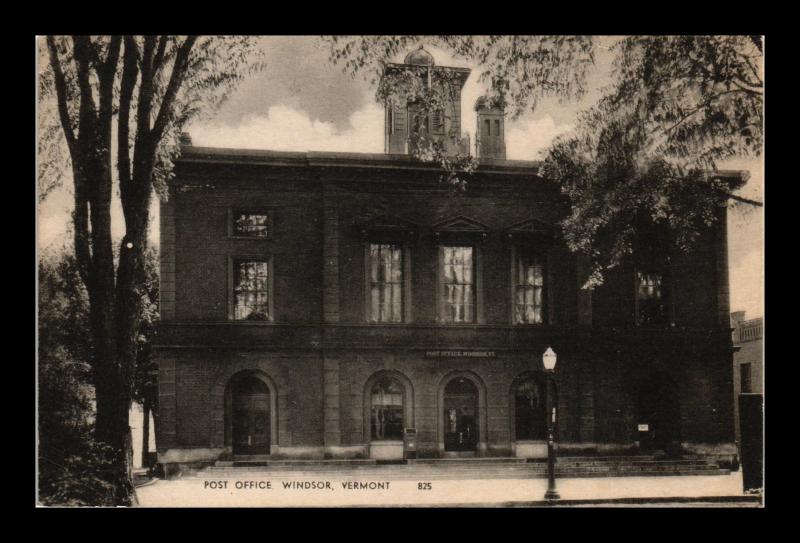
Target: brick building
(315,304)
(748,358)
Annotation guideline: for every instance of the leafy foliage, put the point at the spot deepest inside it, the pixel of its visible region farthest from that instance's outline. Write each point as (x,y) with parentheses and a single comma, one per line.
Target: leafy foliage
(641,162)
(73,466)
(79,479)
(66,396)
(644,158)
(216,66)
(517,69)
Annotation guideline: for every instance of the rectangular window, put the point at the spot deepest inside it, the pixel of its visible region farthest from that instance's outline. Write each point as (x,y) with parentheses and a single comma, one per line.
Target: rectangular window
(251,290)
(528,288)
(651,308)
(745,372)
(457,284)
(487,128)
(385,282)
(250,224)
(496,127)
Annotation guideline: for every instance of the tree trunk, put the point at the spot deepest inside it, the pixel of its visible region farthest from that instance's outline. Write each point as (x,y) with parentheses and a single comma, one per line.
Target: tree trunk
(146,434)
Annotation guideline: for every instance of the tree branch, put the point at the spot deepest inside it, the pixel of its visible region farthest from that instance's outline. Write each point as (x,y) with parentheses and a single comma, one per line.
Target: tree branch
(61,97)
(750,88)
(82,47)
(176,79)
(130,71)
(107,72)
(704,104)
(162,47)
(145,102)
(744,200)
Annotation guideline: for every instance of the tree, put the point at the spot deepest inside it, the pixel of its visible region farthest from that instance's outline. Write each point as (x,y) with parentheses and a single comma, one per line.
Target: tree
(641,162)
(151,86)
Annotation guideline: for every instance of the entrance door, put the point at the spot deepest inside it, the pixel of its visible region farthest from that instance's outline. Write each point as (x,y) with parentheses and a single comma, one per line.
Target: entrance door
(251,430)
(460,415)
(659,410)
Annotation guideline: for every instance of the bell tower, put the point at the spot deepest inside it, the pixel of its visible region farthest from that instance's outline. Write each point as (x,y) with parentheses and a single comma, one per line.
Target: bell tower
(406,123)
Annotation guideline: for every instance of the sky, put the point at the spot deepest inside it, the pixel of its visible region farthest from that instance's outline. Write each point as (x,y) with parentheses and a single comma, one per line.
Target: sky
(301,102)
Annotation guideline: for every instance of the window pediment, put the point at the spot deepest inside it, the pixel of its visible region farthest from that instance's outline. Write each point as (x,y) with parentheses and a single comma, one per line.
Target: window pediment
(460,227)
(530,228)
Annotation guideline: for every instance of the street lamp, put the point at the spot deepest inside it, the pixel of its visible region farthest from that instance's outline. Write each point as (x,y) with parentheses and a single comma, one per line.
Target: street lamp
(549,359)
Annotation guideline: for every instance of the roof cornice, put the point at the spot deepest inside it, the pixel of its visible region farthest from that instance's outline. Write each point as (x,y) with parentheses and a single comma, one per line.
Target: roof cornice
(192,154)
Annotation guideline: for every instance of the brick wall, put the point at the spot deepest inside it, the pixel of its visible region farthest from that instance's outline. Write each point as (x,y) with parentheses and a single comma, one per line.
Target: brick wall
(203,247)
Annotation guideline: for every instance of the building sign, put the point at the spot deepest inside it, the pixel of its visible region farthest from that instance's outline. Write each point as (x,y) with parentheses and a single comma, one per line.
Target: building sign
(644,427)
(460,354)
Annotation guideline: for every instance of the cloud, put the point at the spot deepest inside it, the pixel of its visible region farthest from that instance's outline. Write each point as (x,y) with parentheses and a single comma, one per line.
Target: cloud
(526,140)
(747,283)
(286,128)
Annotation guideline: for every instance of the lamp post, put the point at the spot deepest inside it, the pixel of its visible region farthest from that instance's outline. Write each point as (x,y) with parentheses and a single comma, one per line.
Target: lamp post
(549,359)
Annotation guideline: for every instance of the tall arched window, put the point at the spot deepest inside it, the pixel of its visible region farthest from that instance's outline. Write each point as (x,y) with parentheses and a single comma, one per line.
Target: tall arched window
(530,410)
(386,419)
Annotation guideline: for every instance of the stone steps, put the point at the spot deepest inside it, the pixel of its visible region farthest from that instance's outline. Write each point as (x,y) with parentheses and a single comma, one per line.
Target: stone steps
(466,461)
(466,468)
(423,468)
(446,475)
(267,462)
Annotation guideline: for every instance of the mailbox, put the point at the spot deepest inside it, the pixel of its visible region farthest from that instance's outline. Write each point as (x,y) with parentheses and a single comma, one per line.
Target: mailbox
(645,436)
(409,443)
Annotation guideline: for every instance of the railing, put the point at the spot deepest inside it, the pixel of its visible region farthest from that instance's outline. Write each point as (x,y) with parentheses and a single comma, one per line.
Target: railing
(751,330)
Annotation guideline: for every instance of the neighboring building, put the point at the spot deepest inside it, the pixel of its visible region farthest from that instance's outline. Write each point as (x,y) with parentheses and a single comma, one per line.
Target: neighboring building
(136,418)
(315,304)
(748,358)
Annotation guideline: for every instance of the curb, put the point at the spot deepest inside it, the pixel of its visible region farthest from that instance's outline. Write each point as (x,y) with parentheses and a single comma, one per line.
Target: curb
(599,502)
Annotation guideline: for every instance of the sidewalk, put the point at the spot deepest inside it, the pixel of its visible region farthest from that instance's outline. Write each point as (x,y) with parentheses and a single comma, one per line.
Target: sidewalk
(263,490)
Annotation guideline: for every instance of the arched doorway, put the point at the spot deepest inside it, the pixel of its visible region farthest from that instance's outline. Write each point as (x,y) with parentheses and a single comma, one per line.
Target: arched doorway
(659,410)
(386,409)
(250,415)
(530,409)
(461,415)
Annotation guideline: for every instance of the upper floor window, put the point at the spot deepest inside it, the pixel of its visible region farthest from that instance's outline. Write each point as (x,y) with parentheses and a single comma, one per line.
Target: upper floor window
(529,273)
(251,290)
(457,284)
(651,306)
(385,261)
(250,224)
